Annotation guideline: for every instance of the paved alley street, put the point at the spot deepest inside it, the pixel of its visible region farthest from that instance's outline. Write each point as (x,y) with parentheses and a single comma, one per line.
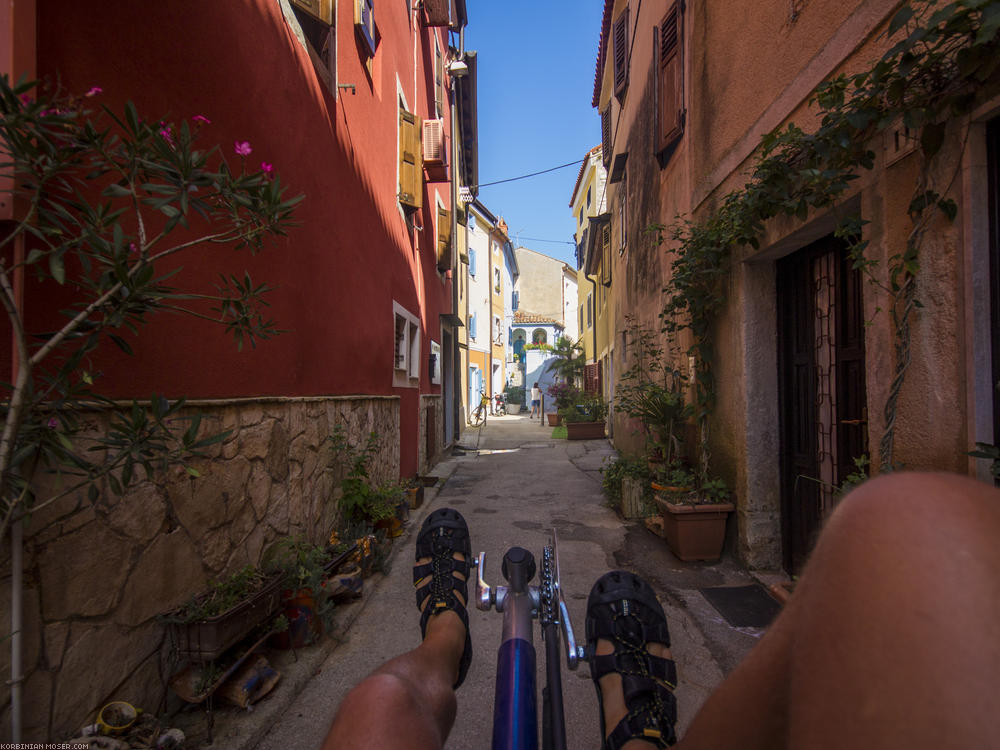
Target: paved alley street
(513,483)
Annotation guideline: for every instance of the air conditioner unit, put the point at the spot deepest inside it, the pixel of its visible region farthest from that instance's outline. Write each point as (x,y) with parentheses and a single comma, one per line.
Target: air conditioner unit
(435,148)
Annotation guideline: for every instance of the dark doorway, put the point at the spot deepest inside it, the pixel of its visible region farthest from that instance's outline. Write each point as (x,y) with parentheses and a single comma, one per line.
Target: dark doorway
(821,370)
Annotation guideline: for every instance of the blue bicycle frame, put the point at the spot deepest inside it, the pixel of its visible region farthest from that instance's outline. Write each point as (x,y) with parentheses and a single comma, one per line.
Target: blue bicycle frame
(515,712)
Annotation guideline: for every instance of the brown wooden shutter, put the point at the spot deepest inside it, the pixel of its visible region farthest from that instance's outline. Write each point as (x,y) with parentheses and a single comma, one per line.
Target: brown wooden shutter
(437,12)
(606,135)
(438,81)
(606,253)
(444,239)
(620,40)
(670,86)
(591,380)
(411,191)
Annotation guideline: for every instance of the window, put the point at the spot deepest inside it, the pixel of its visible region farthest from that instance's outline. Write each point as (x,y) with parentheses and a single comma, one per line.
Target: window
(411,187)
(472,262)
(622,220)
(606,253)
(539,336)
(473,320)
(620,40)
(364,24)
(438,79)
(590,309)
(444,258)
(670,79)
(496,280)
(316,32)
(515,301)
(472,222)
(588,197)
(582,327)
(406,347)
(497,329)
(606,135)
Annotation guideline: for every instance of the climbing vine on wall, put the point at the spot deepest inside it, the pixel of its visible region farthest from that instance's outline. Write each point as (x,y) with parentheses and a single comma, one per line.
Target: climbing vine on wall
(943,58)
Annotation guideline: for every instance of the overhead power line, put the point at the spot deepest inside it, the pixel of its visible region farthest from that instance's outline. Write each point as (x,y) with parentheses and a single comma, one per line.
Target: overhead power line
(558,242)
(533,174)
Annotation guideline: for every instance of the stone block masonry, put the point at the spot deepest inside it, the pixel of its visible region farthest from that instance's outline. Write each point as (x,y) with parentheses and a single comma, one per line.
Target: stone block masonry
(98,575)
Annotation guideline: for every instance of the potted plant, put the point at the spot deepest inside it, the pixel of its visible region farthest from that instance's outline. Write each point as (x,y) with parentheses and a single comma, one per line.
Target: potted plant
(652,392)
(626,485)
(584,418)
(204,628)
(695,523)
(563,395)
(515,398)
(302,567)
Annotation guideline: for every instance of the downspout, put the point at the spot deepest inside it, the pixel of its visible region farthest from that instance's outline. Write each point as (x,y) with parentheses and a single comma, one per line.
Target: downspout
(456,349)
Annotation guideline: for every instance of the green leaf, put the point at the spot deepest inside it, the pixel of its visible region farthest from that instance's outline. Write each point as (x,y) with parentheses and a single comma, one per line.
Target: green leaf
(121,343)
(990,24)
(34,256)
(115,190)
(57,268)
(93,493)
(931,138)
(192,472)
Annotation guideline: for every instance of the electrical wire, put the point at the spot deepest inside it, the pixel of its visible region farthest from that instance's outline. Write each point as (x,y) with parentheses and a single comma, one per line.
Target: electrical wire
(533,174)
(559,242)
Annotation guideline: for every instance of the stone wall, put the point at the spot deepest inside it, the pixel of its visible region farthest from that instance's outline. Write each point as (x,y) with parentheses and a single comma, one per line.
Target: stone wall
(97,575)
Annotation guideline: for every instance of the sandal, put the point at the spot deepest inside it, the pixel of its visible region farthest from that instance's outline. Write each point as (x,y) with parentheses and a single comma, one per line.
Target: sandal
(623,609)
(444,533)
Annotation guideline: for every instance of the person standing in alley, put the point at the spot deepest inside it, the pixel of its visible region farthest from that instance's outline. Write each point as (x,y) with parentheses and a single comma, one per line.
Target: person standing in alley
(536,401)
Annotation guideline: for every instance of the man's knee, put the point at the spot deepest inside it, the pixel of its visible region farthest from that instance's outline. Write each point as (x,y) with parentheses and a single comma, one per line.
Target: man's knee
(912,513)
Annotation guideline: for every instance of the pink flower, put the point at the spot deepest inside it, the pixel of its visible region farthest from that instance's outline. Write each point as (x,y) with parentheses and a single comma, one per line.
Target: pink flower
(94,91)
(167,135)
(266,168)
(242,148)
(53,423)
(202,119)
(26,100)
(132,248)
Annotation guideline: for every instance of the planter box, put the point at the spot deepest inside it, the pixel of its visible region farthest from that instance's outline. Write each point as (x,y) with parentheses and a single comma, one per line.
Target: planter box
(513,408)
(207,640)
(584,430)
(695,532)
(554,420)
(633,506)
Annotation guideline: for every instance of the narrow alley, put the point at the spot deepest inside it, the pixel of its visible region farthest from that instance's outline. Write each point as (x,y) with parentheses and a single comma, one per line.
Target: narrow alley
(513,483)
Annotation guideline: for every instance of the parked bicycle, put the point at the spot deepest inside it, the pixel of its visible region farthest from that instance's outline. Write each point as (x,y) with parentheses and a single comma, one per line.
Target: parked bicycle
(478,417)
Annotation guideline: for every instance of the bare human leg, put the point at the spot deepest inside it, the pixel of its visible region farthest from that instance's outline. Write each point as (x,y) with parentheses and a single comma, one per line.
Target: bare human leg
(892,638)
(409,702)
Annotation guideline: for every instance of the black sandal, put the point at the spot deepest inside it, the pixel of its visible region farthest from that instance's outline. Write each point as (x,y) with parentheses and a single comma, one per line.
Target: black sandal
(623,609)
(443,534)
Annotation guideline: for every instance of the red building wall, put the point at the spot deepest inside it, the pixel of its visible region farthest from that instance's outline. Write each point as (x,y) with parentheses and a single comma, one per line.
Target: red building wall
(338,273)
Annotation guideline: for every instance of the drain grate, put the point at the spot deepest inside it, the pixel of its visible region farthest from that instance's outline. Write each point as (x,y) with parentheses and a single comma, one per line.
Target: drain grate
(743,606)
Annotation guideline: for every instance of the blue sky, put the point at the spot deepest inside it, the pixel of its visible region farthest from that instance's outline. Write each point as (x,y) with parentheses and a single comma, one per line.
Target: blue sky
(536,80)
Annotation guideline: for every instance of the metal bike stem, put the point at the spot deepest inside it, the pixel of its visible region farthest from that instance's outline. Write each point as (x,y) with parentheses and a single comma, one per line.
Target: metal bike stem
(515,714)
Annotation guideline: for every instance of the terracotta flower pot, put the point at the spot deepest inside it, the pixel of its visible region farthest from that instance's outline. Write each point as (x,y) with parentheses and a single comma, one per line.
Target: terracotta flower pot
(695,532)
(584,430)
(554,420)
